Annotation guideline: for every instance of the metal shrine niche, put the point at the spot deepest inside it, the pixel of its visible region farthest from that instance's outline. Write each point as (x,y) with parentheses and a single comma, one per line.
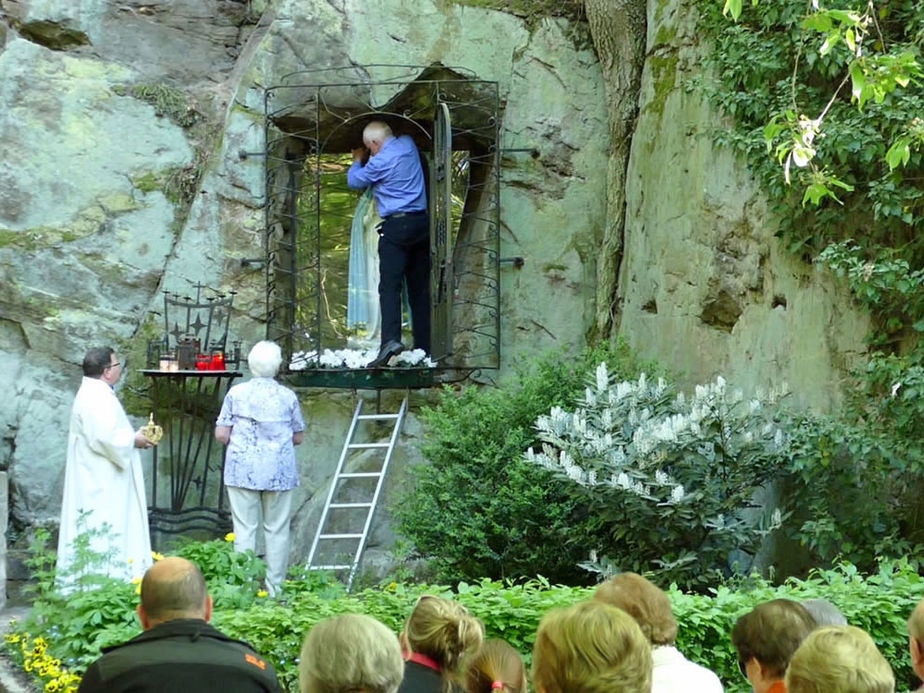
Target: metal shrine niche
(312,121)
(191,368)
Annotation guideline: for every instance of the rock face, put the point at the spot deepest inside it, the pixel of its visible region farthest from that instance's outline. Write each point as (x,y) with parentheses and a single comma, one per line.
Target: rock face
(705,285)
(123,126)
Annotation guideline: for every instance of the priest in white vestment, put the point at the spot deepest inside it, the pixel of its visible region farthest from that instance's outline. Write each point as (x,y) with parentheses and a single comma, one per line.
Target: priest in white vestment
(103,483)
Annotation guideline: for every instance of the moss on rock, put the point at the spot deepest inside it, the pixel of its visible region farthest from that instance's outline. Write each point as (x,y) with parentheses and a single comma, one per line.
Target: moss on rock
(533,10)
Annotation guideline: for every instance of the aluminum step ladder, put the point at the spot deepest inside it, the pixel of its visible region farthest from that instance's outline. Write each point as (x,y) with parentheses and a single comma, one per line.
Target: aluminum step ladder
(342,500)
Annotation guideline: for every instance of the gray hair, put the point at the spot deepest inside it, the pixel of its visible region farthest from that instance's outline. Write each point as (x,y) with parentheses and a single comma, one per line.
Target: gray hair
(350,652)
(376,131)
(824,612)
(264,359)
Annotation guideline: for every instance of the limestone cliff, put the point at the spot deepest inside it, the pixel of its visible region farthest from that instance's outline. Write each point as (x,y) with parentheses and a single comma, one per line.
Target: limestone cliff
(122,127)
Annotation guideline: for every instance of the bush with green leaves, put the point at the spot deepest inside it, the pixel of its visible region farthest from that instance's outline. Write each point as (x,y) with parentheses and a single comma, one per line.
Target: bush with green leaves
(879,603)
(785,66)
(847,493)
(672,481)
(477,508)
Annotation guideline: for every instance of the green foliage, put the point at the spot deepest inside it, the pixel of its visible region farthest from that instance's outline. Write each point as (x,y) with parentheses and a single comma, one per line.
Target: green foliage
(478,508)
(889,287)
(97,612)
(167,101)
(840,85)
(671,480)
(783,64)
(234,579)
(846,492)
(878,603)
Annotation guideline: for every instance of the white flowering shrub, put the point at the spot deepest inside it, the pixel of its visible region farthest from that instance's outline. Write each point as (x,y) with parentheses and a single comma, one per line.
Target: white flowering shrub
(674,480)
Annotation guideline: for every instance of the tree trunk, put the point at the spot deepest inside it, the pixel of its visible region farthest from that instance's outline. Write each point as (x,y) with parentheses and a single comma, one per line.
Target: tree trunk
(618,28)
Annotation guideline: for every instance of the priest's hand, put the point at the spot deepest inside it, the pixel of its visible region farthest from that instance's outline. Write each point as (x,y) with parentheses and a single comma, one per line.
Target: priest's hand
(141,440)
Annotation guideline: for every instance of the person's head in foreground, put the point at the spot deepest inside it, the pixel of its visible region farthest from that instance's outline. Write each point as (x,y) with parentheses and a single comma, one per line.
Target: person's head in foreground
(824,612)
(591,647)
(645,602)
(916,639)
(496,667)
(766,638)
(839,659)
(173,588)
(352,652)
(442,630)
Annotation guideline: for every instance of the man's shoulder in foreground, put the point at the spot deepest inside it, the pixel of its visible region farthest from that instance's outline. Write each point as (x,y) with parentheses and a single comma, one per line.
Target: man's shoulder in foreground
(185,654)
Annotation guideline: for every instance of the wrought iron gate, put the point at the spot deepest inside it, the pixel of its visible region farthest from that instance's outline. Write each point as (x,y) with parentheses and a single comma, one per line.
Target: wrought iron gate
(313,119)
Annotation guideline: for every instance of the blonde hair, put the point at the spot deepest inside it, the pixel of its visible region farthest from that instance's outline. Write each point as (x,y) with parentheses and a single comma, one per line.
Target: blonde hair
(495,662)
(350,652)
(443,630)
(591,647)
(645,602)
(839,659)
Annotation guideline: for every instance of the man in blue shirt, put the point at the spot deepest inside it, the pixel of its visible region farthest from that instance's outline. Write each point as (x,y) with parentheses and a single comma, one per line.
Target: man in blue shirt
(394,173)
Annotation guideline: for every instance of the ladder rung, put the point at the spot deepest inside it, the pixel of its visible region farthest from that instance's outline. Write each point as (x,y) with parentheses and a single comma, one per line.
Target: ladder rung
(358,446)
(350,505)
(341,536)
(359,475)
(329,567)
(379,417)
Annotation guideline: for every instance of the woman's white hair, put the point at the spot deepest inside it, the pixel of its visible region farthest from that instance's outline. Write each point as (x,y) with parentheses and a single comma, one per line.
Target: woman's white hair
(264,359)
(350,652)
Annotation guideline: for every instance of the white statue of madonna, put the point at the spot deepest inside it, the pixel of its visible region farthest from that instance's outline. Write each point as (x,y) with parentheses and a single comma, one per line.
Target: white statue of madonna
(363,314)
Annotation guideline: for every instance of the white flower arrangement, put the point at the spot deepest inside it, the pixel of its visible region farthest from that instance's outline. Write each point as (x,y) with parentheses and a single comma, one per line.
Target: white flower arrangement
(355,359)
(631,437)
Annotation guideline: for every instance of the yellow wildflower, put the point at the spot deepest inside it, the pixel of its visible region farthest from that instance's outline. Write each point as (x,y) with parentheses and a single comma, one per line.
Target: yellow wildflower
(157,556)
(262,593)
(229,536)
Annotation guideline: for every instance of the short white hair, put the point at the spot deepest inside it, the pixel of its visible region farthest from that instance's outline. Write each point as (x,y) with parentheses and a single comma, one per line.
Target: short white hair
(376,131)
(264,359)
(350,652)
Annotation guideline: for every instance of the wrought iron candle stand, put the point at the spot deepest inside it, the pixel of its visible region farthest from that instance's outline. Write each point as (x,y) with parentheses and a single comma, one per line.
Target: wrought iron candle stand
(191,369)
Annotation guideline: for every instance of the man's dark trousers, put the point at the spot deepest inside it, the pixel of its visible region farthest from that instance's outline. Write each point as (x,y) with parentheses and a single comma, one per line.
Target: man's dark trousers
(404,255)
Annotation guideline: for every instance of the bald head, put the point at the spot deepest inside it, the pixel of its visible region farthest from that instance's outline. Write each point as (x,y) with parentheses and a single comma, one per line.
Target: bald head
(375,134)
(173,588)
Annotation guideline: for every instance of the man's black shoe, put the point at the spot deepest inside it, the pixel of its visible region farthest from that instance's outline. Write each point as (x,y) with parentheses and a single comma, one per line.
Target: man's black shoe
(389,349)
